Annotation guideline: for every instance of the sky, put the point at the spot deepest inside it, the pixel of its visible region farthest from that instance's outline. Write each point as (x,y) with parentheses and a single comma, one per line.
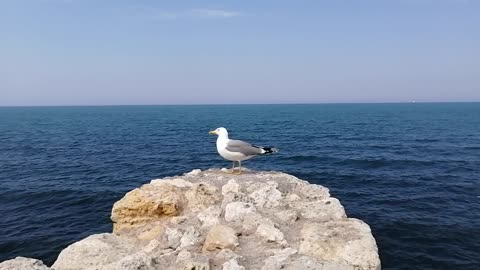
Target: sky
(101,52)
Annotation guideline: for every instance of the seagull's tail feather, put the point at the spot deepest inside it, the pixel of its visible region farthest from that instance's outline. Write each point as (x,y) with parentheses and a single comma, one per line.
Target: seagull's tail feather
(269,150)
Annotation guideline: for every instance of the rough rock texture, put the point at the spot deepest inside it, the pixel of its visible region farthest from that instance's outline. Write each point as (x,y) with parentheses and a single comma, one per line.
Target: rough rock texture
(214,220)
(22,263)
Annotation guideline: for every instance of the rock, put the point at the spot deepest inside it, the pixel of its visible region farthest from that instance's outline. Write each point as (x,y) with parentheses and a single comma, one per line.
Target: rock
(307,263)
(22,263)
(231,187)
(277,261)
(236,211)
(178,182)
(320,211)
(183,256)
(213,220)
(267,195)
(137,261)
(226,255)
(150,232)
(152,245)
(147,204)
(268,231)
(220,237)
(232,265)
(201,196)
(347,241)
(197,263)
(174,236)
(287,217)
(210,216)
(234,197)
(178,220)
(194,172)
(250,223)
(95,251)
(191,237)
(313,192)
(292,198)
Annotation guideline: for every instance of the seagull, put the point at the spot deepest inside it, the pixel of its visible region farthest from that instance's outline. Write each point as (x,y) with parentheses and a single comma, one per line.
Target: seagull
(236,150)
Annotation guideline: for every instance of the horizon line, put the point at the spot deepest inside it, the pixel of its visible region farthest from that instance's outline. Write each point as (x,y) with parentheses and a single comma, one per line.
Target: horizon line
(233,104)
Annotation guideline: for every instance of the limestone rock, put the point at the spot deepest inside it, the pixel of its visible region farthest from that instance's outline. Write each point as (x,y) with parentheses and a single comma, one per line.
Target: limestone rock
(183,256)
(341,241)
(198,263)
(178,182)
(234,197)
(173,238)
(147,204)
(190,238)
(213,220)
(232,265)
(250,223)
(201,196)
(287,217)
(231,187)
(220,237)
(307,263)
(313,192)
(149,232)
(22,263)
(152,246)
(321,211)
(95,251)
(277,261)
(290,198)
(267,195)
(137,261)
(178,220)
(226,255)
(210,216)
(268,231)
(236,211)
(194,172)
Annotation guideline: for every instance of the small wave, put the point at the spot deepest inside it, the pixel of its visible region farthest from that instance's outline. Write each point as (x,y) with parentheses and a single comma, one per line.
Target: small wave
(379,163)
(427,140)
(306,158)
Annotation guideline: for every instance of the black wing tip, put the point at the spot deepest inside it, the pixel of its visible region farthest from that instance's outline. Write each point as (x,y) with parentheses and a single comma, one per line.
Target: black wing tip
(270,150)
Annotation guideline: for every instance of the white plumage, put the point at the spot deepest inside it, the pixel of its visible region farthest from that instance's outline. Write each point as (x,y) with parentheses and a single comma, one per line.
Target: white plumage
(236,150)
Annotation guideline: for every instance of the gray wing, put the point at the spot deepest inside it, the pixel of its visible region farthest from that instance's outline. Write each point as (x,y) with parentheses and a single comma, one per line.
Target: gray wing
(243,147)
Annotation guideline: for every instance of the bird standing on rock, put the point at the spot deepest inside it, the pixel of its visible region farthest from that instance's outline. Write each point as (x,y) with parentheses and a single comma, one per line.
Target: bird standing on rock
(236,150)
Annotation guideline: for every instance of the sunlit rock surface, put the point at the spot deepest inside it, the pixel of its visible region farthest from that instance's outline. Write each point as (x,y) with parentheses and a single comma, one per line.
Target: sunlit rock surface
(215,220)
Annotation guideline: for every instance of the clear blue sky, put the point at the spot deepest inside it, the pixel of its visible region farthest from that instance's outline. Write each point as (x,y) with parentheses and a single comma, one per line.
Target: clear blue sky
(73,52)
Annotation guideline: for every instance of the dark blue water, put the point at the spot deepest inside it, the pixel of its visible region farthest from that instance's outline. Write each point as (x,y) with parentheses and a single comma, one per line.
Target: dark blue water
(411,171)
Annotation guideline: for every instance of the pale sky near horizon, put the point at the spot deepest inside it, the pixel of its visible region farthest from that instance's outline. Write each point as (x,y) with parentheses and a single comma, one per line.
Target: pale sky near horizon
(91,52)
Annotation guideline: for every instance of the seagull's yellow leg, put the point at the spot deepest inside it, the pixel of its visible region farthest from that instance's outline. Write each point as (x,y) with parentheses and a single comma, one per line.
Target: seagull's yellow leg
(239,168)
(233,167)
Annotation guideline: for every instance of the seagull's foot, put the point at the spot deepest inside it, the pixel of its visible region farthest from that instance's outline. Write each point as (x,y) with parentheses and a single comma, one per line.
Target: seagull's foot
(234,172)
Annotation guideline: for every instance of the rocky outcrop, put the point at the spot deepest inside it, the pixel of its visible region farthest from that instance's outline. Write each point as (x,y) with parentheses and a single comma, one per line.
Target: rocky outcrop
(22,263)
(214,220)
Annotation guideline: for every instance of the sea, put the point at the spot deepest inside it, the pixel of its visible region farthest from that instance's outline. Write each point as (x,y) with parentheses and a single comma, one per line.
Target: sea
(411,171)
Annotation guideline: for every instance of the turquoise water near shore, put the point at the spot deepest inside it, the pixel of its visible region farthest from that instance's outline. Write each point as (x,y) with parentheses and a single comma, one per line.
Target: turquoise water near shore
(411,171)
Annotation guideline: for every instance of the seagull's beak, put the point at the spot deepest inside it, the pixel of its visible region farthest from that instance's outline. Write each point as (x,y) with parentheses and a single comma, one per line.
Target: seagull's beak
(212,132)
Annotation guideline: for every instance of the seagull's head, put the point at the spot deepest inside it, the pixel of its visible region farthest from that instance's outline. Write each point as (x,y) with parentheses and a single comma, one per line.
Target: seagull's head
(219,131)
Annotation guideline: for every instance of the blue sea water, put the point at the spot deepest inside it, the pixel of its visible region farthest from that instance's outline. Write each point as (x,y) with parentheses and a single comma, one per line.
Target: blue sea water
(411,171)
